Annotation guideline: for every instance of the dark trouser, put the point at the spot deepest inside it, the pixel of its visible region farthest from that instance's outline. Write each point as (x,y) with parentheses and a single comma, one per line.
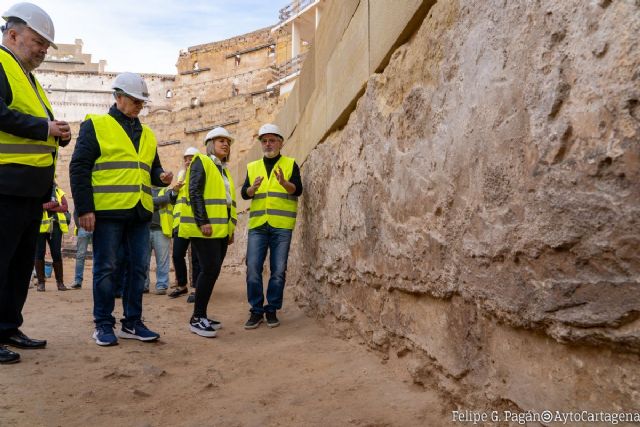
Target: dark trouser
(19,228)
(110,237)
(180,246)
(55,244)
(210,254)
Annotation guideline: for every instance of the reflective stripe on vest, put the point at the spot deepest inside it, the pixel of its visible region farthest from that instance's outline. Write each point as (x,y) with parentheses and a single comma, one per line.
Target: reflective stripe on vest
(121,176)
(166,215)
(223,218)
(47,221)
(272,203)
(14,149)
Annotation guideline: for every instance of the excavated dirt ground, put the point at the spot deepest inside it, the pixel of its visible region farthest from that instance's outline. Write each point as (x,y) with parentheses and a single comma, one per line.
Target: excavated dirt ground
(296,374)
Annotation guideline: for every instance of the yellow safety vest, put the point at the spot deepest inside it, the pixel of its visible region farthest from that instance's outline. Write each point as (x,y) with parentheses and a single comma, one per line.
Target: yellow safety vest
(166,215)
(272,203)
(223,222)
(181,200)
(47,221)
(26,100)
(121,176)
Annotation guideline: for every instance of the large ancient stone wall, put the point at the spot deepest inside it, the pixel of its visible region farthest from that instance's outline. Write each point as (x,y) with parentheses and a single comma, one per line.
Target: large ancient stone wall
(476,218)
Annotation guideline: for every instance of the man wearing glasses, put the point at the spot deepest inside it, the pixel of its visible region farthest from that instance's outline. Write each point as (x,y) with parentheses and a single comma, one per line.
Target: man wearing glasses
(114,165)
(273,184)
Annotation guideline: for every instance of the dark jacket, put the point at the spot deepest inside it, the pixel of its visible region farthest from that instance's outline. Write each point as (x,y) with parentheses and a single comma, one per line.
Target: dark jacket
(16,179)
(160,202)
(197,180)
(84,157)
(268,164)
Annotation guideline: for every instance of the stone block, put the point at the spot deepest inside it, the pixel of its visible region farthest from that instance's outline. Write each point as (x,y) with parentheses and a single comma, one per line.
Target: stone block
(287,118)
(311,127)
(387,22)
(306,83)
(348,68)
(334,22)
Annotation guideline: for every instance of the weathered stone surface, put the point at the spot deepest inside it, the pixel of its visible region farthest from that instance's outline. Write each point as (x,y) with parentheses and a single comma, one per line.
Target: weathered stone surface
(481,205)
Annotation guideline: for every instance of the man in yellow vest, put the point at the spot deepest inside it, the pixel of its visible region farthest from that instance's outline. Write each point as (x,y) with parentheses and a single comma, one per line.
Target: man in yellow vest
(114,165)
(273,184)
(29,140)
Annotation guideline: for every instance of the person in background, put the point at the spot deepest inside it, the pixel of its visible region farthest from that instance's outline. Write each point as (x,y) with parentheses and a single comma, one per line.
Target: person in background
(83,239)
(160,235)
(208,217)
(114,165)
(29,141)
(273,184)
(53,226)
(180,244)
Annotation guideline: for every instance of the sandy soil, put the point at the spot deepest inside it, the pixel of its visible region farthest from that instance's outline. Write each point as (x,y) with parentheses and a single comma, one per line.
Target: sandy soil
(296,374)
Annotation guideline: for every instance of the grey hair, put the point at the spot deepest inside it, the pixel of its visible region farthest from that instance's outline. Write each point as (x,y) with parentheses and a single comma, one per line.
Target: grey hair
(15,23)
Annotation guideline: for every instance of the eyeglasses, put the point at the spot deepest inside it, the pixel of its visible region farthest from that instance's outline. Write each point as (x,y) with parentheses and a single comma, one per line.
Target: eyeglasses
(134,100)
(269,141)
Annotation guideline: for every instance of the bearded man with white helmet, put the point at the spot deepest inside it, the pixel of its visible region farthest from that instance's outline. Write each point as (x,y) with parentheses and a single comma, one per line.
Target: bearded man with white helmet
(114,165)
(29,141)
(273,185)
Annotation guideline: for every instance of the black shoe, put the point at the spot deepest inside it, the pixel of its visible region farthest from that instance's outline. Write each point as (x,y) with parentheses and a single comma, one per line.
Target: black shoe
(145,291)
(178,291)
(7,356)
(76,286)
(202,327)
(272,320)
(118,295)
(254,321)
(20,340)
(191,298)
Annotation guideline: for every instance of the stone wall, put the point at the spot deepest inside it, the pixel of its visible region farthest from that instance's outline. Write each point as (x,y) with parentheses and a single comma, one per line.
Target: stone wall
(211,72)
(474,215)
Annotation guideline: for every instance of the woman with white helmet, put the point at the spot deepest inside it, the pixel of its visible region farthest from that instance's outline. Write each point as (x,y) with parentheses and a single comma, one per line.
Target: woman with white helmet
(208,219)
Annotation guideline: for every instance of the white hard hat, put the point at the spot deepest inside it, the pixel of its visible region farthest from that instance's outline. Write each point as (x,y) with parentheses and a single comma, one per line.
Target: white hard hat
(191,151)
(133,85)
(218,132)
(36,19)
(269,128)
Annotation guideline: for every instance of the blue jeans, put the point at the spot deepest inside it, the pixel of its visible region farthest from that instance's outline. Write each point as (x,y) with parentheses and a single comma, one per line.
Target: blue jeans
(84,238)
(160,244)
(277,241)
(108,237)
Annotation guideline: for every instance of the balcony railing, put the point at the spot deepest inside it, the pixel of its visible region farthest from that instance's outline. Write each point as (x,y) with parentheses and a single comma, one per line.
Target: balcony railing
(288,68)
(293,8)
